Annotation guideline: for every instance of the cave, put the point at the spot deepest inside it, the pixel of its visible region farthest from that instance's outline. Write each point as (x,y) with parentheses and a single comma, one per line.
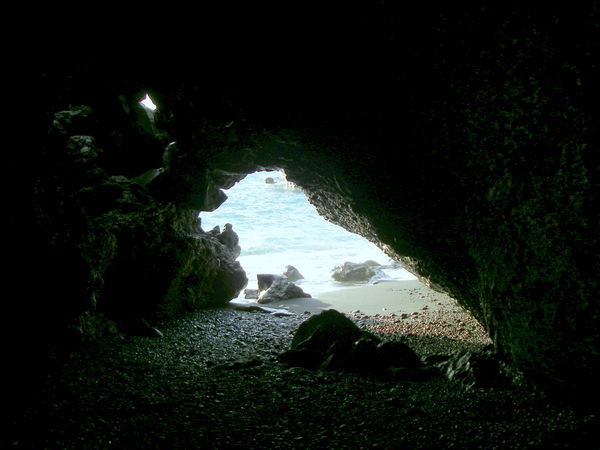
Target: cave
(458,139)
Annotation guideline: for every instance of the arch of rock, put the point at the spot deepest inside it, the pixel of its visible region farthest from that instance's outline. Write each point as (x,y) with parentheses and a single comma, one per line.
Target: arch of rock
(461,141)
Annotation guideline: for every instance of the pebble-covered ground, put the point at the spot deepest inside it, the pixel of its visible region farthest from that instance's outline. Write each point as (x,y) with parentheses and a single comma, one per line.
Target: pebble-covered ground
(213,381)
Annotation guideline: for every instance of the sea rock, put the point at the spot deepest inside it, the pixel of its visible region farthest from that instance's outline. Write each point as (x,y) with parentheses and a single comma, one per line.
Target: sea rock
(230,239)
(270,180)
(251,293)
(215,231)
(265,280)
(281,289)
(292,273)
(350,271)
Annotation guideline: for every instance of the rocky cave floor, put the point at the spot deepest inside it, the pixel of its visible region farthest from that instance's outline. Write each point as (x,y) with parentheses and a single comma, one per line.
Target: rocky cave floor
(213,381)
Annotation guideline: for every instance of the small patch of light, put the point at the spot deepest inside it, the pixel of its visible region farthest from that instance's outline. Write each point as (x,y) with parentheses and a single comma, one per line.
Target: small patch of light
(148,103)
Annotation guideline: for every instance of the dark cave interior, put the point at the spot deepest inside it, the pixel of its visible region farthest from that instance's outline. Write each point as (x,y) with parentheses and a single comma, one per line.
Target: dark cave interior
(459,139)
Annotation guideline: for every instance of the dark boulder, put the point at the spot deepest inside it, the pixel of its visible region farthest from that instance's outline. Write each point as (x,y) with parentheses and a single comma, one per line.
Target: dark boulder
(331,341)
(321,331)
(270,180)
(474,370)
(396,354)
(230,239)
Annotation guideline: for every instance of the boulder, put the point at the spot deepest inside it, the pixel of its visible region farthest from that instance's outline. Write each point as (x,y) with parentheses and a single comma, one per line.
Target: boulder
(230,239)
(281,289)
(321,331)
(474,370)
(396,354)
(350,271)
(270,180)
(265,280)
(215,231)
(292,273)
(331,341)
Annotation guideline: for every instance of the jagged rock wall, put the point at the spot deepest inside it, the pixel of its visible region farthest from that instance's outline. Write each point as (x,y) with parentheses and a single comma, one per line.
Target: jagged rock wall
(462,140)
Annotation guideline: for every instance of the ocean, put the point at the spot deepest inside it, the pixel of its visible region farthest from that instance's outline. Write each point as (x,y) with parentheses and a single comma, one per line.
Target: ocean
(277,226)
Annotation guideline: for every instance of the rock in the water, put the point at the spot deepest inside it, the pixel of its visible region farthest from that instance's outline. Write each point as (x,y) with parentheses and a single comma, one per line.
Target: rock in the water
(350,271)
(230,239)
(270,180)
(281,289)
(251,293)
(292,273)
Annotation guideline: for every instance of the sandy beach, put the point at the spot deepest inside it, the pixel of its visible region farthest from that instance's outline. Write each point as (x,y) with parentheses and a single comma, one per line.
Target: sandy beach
(394,308)
(384,298)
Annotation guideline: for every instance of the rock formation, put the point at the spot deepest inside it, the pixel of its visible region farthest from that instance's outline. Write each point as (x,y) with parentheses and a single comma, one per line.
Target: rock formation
(352,272)
(278,287)
(230,239)
(292,273)
(459,139)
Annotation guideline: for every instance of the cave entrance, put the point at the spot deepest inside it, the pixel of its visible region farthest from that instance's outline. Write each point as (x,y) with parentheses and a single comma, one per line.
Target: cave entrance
(277,227)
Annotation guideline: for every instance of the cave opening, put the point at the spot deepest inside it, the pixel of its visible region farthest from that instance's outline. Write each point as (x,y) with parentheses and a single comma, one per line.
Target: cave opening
(278,227)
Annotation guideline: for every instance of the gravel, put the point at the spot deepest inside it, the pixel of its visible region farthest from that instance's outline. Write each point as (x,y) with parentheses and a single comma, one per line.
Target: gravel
(213,381)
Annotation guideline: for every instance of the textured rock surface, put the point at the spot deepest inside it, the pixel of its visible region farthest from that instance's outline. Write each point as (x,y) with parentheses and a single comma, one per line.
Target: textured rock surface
(462,140)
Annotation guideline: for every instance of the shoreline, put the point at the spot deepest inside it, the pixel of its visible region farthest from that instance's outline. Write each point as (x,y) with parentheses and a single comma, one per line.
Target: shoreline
(432,321)
(384,298)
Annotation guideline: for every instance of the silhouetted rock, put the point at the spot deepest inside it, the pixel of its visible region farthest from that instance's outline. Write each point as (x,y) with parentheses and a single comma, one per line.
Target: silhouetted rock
(396,354)
(321,331)
(230,239)
(474,370)
(332,341)
(292,273)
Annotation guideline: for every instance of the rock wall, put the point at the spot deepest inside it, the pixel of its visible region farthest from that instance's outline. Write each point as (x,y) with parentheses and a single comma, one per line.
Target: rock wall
(459,139)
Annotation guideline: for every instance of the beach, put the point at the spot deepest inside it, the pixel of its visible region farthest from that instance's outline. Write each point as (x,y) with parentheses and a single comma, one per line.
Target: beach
(384,298)
(213,381)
